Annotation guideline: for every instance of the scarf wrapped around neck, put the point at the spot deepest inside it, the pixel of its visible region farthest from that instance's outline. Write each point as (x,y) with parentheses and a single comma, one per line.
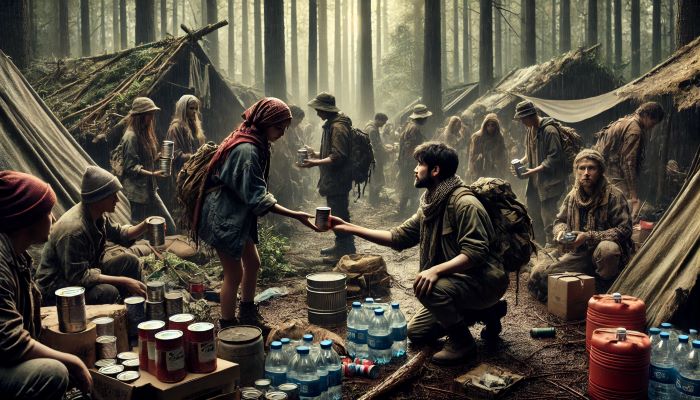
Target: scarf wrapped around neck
(580,200)
(433,204)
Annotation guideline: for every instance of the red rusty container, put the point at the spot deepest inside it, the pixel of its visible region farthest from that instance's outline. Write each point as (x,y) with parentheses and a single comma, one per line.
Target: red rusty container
(614,311)
(618,367)
(147,344)
(201,348)
(170,356)
(180,322)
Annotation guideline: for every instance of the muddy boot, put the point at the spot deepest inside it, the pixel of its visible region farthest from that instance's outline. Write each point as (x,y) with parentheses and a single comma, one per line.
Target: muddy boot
(248,315)
(491,317)
(458,347)
(227,323)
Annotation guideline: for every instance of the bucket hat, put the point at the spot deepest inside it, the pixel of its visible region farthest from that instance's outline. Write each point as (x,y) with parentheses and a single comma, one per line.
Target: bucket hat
(523,109)
(420,111)
(143,105)
(324,102)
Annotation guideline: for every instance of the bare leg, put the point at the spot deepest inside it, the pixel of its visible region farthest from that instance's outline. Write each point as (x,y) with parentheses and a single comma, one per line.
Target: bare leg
(251,266)
(233,272)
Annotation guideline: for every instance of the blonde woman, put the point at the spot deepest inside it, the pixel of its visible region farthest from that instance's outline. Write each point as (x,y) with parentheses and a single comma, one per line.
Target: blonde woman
(185,131)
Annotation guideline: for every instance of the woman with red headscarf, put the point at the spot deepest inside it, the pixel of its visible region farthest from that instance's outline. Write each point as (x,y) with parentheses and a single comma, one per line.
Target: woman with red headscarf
(235,196)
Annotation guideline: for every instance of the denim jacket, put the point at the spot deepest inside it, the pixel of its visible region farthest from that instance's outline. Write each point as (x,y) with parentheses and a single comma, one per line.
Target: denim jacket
(230,214)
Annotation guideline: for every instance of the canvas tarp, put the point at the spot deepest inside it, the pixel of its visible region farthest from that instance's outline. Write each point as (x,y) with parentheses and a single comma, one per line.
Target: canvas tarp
(32,140)
(576,110)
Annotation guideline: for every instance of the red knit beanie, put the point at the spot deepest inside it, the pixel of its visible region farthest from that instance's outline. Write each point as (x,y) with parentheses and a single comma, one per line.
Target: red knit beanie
(24,199)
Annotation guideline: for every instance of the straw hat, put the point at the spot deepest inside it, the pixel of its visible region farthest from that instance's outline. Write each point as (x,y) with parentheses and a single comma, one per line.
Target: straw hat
(324,102)
(143,105)
(420,111)
(523,109)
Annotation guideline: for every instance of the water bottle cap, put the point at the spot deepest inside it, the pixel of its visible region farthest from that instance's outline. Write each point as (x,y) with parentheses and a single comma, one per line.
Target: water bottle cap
(617,297)
(276,345)
(696,344)
(308,337)
(285,340)
(683,338)
(621,334)
(326,344)
(379,311)
(395,305)
(369,300)
(302,350)
(693,331)
(654,331)
(356,304)
(666,325)
(664,335)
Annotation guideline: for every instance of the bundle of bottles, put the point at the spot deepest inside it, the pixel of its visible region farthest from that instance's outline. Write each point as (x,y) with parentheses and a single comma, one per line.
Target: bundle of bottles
(674,372)
(374,333)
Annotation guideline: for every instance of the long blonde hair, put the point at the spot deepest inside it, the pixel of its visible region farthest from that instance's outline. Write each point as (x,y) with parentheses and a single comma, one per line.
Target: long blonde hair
(180,117)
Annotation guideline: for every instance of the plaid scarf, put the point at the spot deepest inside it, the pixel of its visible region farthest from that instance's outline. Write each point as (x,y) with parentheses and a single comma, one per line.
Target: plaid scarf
(433,204)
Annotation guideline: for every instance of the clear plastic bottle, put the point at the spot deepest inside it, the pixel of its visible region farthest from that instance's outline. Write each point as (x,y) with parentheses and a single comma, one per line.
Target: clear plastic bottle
(361,326)
(314,348)
(379,338)
(333,365)
(693,335)
(654,336)
(661,370)
(276,365)
(688,379)
(399,331)
(368,308)
(668,327)
(306,376)
(680,350)
(287,349)
(355,313)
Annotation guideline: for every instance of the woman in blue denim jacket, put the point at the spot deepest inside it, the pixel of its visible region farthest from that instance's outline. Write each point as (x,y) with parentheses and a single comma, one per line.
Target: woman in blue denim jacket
(236,196)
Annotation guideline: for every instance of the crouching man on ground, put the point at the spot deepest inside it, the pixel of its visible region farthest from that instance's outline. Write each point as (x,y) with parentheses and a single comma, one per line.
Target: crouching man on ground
(593,227)
(28,369)
(73,254)
(461,279)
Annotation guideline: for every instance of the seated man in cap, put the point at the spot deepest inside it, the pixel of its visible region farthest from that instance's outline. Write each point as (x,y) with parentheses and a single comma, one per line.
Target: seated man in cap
(411,137)
(73,254)
(29,369)
(593,224)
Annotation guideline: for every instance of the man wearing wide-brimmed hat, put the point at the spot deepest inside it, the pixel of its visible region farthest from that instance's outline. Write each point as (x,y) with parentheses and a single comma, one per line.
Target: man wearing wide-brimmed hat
(335,166)
(410,138)
(546,172)
(73,254)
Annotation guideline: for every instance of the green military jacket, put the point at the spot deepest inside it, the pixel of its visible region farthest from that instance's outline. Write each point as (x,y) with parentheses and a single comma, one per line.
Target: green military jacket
(544,148)
(336,177)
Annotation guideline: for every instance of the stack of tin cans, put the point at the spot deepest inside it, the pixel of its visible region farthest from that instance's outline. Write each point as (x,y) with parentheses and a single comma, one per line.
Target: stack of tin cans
(166,157)
(360,367)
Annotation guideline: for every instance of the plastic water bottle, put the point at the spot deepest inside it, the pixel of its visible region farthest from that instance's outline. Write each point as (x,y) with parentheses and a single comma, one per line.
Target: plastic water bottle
(661,370)
(368,307)
(379,338)
(361,323)
(399,331)
(688,379)
(314,348)
(322,372)
(305,375)
(276,365)
(654,336)
(668,327)
(333,365)
(693,335)
(287,349)
(681,350)
(355,313)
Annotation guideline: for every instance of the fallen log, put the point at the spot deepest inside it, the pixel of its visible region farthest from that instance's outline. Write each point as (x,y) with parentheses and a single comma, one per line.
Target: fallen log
(406,373)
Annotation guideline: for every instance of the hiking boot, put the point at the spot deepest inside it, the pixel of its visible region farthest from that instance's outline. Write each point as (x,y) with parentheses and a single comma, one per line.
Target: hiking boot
(248,314)
(458,347)
(491,317)
(328,251)
(228,323)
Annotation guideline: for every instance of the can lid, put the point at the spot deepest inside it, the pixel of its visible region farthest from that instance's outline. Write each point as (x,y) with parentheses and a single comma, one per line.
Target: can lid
(181,318)
(134,300)
(263,382)
(276,395)
(105,362)
(621,334)
(111,369)
(106,339)
(617,297)
(326,344)
(127,355)
(276,345)
(173,294)
(308,337)
(155,220)
(664,335)
(70,291)
(240,334)
(302,350)
(103,320)
(356,304)
(131,362)
(128,376)
(201,327)
(288,387)
(369,300)
(151,325)
(169,334)
(378,311)
(155,284)
(683,338)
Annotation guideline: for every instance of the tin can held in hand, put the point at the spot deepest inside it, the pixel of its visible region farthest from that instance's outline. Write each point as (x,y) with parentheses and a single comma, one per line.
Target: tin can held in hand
(568,237)
(168,149)
(155,231)
(323,216)
(302,156)
(165,165)
(518,167)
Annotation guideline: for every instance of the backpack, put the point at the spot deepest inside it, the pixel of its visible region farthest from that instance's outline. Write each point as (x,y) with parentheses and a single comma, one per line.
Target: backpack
(116,160)
(190,180)
(571,141)
(362,158)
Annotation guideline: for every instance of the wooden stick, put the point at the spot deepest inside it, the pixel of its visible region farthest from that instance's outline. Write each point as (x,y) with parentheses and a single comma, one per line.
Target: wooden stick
(407,372)
(566,388)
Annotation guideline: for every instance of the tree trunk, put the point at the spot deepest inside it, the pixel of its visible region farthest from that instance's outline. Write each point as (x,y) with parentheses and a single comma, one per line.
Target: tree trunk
(443,42)
(608,33)
(337,51)
(203,13)
(528,55)
(275,74)
(344,54)
(455,41)
(378,60)
(592,23)
(124,35)
(485,45)
(656,32)
(231,42)
(498,61)
(366,76)
(353,54)
(176,27)
(635,44)
(295,51)
(115,25)
(323,45)
(245,51)
(618,33)
(687,18)
(564,26)
(85,28)
(466,42)
(145,21)
(313,47)
(257,30)
(103,28)
(432,60)
(554,28)
(63,34)
(213,38)
(418,32)
(163,18)
(671,28)
(14,31)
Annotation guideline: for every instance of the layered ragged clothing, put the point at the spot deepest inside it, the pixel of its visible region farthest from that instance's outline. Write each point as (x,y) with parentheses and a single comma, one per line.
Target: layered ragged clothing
(488,156)
(336,177)
(410,138)
(380,158)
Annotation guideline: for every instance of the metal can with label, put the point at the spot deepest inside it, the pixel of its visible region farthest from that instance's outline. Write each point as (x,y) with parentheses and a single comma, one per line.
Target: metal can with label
(290,389)
(106,347)
(104,326)
(112,370)
(170,356)
(201,344)
(180,321)
(128,376)
(135,314)
(147,344)
(173,302)
(70,305)
(155,289)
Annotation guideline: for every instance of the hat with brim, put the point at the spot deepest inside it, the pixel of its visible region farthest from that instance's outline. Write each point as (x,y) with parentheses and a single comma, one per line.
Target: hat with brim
(324,102)
(143,105)
(524,109)
(420,111)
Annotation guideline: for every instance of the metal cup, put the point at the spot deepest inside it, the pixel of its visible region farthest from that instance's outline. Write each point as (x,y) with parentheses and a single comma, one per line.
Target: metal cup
(322,220)
(302,156)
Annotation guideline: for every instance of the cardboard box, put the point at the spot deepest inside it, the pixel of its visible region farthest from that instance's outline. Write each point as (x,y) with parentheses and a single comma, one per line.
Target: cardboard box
(471,383)
(82,343)
(568,294)
(194,386)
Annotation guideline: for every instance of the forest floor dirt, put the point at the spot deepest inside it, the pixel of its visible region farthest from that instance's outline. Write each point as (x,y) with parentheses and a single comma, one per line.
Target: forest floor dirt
(554,368)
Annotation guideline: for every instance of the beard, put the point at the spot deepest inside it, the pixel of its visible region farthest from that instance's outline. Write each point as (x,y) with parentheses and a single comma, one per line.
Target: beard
(421,183)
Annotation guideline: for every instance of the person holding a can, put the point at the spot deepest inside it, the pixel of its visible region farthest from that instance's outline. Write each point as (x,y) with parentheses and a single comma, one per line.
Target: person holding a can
(234,196)
(73,254)
(140,153)
(596,217)
(461,278)
(29,369)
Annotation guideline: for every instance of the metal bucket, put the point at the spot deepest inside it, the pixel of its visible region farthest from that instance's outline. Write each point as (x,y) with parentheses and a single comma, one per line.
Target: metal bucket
(326,298)
(165,164)
(70,304)
(156,231)
(243,345)
(168,149)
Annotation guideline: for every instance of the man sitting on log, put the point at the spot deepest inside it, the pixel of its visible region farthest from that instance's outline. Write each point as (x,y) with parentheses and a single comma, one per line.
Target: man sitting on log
(593,225)
(28,369)
(73,254)
(461,279)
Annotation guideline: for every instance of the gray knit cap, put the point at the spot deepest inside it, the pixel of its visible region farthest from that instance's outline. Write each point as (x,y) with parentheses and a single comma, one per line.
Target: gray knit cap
(97,184)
